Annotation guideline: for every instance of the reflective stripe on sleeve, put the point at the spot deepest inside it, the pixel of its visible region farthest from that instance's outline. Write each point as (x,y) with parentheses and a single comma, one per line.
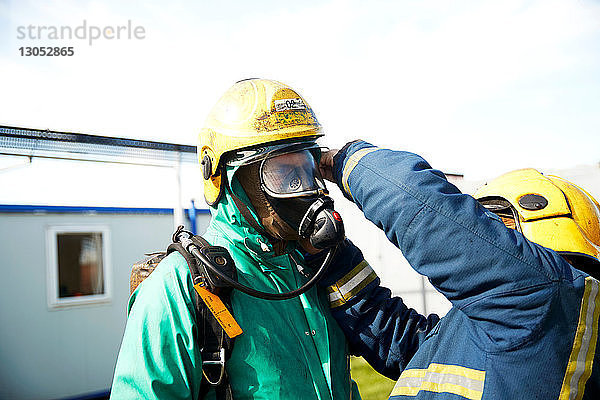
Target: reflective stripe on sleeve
(351,163)
(352,283)
(441,378)
(579,367)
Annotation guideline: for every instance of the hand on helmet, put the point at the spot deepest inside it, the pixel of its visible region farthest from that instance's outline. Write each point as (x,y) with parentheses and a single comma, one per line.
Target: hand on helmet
(326,164)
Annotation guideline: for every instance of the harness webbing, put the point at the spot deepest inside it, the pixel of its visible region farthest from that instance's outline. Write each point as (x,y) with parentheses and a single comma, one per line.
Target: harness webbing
(215,345)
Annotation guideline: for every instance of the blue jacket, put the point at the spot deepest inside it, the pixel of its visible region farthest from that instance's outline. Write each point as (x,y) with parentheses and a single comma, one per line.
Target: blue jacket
(524,323)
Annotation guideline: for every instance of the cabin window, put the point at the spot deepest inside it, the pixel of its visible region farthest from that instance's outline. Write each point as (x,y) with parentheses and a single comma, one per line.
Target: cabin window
(78,265)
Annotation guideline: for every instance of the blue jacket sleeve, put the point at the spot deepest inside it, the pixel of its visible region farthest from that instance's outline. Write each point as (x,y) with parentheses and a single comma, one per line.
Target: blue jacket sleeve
(378,327)
(495,276)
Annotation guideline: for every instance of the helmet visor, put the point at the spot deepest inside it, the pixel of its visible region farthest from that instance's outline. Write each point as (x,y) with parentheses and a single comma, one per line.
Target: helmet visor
(291,174)
(259,153)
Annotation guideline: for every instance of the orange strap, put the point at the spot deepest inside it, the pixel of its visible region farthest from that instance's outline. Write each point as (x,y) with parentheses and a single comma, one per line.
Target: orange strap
(219,310)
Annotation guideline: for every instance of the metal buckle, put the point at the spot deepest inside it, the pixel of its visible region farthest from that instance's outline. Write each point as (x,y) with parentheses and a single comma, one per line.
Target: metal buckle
(220,362)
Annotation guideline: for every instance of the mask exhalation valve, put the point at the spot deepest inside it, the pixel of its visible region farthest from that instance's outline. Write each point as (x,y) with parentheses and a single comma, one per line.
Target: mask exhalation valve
(321,224)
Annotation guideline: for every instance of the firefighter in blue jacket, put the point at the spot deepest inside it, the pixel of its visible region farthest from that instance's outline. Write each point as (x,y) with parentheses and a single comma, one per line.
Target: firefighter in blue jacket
(524,321)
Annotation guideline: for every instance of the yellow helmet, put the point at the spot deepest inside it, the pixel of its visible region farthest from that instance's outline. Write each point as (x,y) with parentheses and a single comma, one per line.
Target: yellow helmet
(252,112)
(548,210)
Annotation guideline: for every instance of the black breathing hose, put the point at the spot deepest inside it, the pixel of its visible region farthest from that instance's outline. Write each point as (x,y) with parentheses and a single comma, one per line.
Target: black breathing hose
(187,244)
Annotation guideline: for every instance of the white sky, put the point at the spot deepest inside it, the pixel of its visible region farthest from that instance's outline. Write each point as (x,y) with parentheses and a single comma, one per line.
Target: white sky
(477,87)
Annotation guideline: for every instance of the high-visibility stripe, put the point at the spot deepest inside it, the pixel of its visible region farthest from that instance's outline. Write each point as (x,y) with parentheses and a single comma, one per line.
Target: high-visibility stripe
(470,373)
(581,359)
(352,283)
(441,378)
(351,163)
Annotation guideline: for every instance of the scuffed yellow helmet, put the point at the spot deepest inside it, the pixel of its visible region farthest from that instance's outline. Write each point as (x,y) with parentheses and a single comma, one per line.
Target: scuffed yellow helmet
(252,112)
(548,210)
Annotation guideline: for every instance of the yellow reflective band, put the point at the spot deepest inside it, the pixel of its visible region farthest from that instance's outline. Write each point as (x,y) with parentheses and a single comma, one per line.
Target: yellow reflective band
(470,373)
(352,283)
(351,163)
(441,378)
(581,359)
(438,388)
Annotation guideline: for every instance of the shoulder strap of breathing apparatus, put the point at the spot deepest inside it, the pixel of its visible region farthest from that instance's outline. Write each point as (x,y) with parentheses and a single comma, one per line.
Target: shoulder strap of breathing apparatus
(216,327)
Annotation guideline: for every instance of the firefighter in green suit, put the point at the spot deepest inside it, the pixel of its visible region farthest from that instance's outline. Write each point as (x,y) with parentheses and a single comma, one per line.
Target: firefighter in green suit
(259,161)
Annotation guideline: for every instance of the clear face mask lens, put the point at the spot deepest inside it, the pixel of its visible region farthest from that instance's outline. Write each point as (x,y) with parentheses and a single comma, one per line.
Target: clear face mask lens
(291,174)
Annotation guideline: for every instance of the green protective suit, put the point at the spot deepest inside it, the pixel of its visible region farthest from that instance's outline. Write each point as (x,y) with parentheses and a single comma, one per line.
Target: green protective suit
(290,349)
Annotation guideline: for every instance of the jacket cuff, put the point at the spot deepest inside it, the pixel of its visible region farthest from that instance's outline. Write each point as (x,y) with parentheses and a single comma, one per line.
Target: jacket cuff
(346,256)
(346,160)
(348,274)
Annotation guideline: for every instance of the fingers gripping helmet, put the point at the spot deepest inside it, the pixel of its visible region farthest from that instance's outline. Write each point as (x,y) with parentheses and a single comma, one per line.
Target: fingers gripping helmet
(549,211)
(252,112)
